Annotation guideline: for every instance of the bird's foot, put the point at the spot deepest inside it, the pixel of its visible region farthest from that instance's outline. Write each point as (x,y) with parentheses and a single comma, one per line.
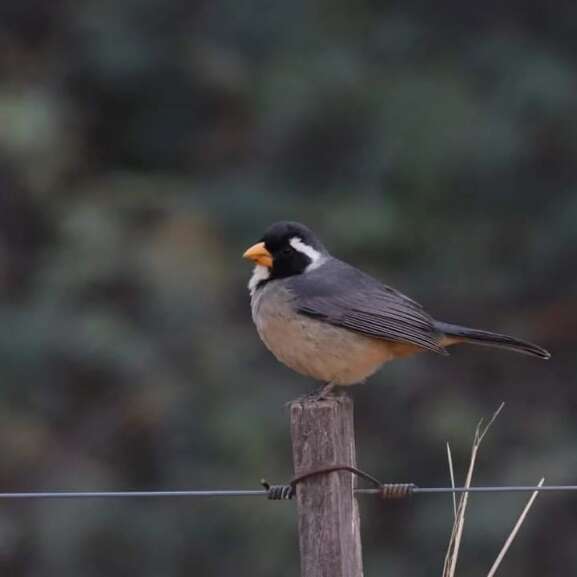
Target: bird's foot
(325,392)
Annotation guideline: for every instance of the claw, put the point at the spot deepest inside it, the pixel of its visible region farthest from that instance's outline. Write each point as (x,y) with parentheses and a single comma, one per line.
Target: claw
(325,392)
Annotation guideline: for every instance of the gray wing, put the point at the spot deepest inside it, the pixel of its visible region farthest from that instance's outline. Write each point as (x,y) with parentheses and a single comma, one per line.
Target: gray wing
(344,296)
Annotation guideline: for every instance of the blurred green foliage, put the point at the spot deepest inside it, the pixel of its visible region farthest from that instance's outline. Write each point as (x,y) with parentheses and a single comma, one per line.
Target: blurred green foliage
(145,144)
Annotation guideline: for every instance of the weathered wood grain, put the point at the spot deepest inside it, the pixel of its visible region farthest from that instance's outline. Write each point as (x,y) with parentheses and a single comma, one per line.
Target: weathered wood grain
(328,518)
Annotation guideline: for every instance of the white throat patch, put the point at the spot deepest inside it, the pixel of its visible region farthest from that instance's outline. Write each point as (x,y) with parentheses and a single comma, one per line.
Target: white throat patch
(259,274)
(316,257)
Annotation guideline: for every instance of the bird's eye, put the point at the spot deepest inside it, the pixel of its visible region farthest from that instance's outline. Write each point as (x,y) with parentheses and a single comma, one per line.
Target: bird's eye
(286,251)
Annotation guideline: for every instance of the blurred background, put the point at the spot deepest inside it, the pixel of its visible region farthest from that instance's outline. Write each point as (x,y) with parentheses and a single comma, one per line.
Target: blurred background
(145,144)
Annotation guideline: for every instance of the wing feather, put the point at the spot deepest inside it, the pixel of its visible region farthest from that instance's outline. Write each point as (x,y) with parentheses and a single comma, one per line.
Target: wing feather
(341,295)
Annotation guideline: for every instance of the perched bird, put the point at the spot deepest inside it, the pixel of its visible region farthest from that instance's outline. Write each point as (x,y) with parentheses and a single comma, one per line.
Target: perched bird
(330,321)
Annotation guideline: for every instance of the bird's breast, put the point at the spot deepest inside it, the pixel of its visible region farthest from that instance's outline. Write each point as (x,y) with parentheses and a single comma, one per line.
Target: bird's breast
(311,347)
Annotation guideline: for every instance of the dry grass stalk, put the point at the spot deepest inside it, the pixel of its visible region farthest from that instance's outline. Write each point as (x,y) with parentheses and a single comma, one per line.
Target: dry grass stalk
(513,533)
(459,510)
(452,474)
(454,547)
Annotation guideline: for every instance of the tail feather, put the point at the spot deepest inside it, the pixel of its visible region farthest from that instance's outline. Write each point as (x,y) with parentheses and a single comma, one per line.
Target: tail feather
(490,339)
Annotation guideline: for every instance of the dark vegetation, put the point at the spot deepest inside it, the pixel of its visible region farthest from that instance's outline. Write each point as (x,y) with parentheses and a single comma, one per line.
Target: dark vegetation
(144,144)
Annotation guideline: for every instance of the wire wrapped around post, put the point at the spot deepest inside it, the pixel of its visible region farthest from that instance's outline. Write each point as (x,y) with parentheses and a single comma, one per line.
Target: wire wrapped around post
(278,492)
(396,490)
(384,490)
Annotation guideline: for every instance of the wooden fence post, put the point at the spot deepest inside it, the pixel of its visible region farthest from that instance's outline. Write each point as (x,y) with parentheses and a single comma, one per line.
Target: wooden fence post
(328,518)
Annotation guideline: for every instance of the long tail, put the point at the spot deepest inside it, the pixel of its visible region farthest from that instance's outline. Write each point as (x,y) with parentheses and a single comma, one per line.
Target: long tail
(464,334)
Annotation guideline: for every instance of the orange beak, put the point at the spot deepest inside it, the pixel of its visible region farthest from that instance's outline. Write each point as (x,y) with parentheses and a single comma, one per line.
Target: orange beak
(259,254)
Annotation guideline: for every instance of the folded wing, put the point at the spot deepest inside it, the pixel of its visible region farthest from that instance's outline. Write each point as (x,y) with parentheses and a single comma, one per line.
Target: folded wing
(344,296)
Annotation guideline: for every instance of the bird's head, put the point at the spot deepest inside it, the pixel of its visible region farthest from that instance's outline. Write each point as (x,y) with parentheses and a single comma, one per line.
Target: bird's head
(286,249)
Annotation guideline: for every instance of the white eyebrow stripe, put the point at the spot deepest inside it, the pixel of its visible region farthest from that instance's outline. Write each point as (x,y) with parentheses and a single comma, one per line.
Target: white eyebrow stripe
(316,257)
(259,274)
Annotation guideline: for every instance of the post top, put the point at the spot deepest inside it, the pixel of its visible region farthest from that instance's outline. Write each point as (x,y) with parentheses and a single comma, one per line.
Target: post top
(310,402)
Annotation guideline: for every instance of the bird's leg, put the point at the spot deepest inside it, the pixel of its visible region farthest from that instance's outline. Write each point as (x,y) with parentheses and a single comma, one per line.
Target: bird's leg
(324,392)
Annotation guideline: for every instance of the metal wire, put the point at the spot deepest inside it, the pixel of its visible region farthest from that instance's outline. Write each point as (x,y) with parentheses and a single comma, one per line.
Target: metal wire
(129,494)
(263,492)
(493,489)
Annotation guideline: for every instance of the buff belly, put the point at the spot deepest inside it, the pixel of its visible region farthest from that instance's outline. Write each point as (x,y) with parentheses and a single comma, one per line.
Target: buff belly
(314,348)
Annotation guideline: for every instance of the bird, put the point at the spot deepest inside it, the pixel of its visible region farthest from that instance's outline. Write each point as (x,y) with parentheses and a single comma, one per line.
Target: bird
(334,323)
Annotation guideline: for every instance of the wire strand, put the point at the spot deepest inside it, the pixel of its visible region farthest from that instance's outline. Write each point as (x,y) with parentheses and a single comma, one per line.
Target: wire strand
(263,492)
(130,494)
(489,489)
